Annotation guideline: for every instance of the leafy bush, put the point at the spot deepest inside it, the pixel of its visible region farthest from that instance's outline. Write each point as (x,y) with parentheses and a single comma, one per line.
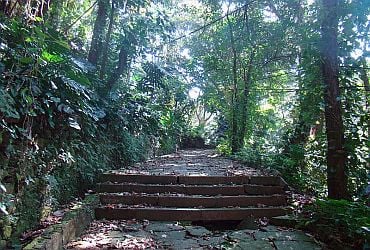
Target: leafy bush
(224,147)
(348,221)
(250,156)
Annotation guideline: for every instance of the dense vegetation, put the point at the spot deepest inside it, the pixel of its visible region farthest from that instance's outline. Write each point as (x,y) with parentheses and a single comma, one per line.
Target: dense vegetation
(87,86)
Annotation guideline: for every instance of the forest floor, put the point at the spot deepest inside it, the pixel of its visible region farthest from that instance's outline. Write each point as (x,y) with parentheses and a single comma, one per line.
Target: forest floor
(133,234)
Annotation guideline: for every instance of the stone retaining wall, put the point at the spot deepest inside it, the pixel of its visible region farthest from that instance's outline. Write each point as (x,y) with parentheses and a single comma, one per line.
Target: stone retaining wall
(73,224)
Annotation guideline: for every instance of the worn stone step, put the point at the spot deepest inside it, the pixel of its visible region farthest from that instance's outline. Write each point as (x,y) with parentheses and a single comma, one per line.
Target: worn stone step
(117,177)
(212,180)
(186,214)
(263,190)
(138,178)
(180,189)
(193,201)
(190,190)
(266,180)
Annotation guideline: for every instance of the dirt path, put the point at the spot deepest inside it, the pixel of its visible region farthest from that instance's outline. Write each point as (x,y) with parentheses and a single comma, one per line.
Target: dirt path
(132,234)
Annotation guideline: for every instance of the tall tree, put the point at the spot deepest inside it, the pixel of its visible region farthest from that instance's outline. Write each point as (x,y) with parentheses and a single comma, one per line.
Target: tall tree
(234,123)
(247,78)
(107,40)
(336,153)
(98,33)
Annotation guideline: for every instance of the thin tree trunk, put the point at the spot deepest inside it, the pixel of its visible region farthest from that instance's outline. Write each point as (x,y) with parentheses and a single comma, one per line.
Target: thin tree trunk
(234,120)
(54,17)
(120,69)
(365,79)
(98,33)
(107,41)
(43,7)
(3,6)
(336,153)
(244,111)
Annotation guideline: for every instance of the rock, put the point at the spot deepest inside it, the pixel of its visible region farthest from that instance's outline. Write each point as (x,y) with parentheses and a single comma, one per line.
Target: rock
(284,221)
(254,244)
(248,223)
(197,231)
(240,235)
(69,230)
(55,242)
(283,236)
(171,235)
(162,227)
(184,244)
(293,245)
(269,228)
(212,242)
(72,225)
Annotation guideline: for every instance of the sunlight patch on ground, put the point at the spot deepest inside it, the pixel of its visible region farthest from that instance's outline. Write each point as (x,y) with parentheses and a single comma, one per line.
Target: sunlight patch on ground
(190,155)
(213,156)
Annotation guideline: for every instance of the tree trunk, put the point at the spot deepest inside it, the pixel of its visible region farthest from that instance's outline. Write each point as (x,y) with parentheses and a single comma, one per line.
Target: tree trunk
(365,79)
(54,17)
(43,7)
(3,6)
(120,69)
(107,41)
(244,111)
(234,119)
(336,153)
(98,33)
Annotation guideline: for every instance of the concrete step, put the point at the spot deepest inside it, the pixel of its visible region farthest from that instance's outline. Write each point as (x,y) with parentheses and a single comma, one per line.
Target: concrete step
(117,177)
(186,214)
(231,190)
(193,201)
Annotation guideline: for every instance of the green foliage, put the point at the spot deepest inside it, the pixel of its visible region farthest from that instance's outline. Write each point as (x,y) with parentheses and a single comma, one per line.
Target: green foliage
(250,155)
(282,106)
(57,134)
(29,207)
(224,148)
(349,221)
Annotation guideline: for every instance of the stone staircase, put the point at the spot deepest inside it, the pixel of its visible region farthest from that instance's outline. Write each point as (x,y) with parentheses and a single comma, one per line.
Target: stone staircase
(189,198)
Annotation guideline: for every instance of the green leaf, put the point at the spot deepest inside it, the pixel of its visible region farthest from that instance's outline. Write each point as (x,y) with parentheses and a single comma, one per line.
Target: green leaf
(26,60)
(38,19)
(51,57)
(62,44)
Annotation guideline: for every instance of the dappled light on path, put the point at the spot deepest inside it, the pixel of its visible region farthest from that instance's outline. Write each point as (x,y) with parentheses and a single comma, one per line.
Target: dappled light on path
(132,234)
(185,168)
(115,235)
(191,162)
